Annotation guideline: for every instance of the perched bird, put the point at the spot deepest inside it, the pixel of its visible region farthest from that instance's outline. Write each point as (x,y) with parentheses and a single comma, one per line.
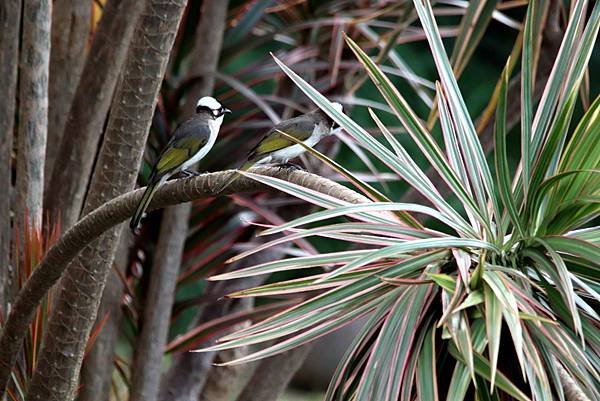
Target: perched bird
(275,148)
(191,141)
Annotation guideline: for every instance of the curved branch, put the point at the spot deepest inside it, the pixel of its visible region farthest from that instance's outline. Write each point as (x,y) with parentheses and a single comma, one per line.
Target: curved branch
(572,389)
(118,210)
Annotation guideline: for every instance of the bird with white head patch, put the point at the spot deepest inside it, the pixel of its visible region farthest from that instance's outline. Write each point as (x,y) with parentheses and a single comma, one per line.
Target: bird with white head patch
(276,148)
(190,142)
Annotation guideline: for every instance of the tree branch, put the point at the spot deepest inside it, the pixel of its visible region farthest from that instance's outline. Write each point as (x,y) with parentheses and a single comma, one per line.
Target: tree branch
(572,389)
(118,210)
(272,375)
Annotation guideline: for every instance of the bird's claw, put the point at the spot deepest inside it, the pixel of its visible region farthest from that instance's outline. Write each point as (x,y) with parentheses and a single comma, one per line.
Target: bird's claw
(290,166)
(189,173)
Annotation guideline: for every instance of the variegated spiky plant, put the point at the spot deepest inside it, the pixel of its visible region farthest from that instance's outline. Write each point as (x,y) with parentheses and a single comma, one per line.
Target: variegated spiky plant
(502,303)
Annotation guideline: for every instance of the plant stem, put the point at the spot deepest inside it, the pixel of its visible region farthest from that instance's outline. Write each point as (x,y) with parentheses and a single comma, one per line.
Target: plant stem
(117,210)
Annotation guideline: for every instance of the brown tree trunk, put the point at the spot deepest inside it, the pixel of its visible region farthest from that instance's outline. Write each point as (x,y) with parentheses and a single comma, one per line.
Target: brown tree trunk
(151,342)
(173,231)
(33,110)
(89,109)
(188,375)
(69,36)
(191,373)
(73,316)
(77,153)
(10,21)
(224,382)
(98,366)
(272,375)
(205,59)
(86,232)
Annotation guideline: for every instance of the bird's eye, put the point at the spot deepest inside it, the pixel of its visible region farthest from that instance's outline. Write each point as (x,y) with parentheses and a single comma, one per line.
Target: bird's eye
(202,108)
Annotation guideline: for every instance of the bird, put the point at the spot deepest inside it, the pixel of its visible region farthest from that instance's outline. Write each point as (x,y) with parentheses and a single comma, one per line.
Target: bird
(190,142)
(275,148)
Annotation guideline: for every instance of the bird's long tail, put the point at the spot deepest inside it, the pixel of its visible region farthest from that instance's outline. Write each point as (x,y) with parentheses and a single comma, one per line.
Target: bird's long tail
(246,166)
(144,203)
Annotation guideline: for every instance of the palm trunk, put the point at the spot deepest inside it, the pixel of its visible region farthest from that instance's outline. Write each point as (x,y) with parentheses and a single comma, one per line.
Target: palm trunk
(150,345)
(10,21)
(107,56)
(189,374)
(272,375)
(69,35)
(223,382)
(98,366)
(33,110)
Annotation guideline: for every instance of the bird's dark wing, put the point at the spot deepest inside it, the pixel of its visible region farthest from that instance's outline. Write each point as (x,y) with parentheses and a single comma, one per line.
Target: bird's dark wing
(300,128)
(189,137)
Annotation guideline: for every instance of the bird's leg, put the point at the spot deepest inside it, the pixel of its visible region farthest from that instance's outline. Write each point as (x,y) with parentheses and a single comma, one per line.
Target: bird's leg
(290,166)
(189,173)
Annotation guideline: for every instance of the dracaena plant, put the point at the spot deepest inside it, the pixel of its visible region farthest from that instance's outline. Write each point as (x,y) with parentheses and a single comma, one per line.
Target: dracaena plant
(499,303)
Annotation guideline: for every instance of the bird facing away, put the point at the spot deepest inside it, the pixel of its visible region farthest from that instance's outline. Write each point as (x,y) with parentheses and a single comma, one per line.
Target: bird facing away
(275,148)
(191,141)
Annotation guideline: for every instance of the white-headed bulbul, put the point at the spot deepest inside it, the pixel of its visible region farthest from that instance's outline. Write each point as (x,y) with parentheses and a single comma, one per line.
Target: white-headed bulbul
(191,141)
(274,147)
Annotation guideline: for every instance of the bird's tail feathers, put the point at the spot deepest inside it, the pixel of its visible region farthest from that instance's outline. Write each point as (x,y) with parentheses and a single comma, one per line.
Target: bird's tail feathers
(144,203)
(246,166)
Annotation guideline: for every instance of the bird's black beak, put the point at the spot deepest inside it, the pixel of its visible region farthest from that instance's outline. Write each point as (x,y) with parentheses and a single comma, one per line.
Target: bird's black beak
(226,110)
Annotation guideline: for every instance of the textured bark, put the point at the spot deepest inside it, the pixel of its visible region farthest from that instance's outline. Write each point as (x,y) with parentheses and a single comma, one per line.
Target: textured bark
(96,374)
(224,382)
(205,58)
(57,370)
(187,376)
(33,109)
(88,111)
(10,21)
(572,389)
(151,342)
(114,212)
(69,35)
(188,379)
(272,375)
(174,226)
